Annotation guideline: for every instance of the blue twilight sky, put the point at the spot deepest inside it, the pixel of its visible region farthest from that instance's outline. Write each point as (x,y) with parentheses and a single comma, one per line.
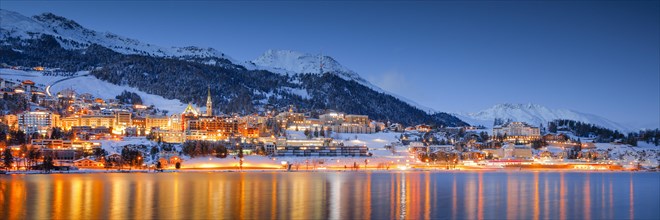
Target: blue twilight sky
(599,57)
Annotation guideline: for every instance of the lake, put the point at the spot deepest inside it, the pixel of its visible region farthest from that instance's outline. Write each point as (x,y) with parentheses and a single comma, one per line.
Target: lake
(335,195)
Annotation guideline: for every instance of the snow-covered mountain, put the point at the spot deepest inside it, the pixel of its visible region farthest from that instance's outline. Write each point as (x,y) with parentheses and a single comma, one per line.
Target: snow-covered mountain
(184,73)
(535,114)
(72,35)
(292,62)
(287,61)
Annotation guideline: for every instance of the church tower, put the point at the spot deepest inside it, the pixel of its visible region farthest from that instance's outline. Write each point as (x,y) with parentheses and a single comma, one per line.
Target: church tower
(209,103)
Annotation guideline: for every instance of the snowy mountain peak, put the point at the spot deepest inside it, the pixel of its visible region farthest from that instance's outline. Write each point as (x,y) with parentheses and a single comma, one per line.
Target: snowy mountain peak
(535,114)
(71,35)
(55,20)
(511,106)
(288,61)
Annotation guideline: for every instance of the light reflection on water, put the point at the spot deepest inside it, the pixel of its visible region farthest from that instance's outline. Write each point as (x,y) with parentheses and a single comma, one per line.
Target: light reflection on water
(334,195)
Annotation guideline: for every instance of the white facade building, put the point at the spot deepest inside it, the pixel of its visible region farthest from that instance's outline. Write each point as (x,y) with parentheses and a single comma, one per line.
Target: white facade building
(36,122)
(518,131)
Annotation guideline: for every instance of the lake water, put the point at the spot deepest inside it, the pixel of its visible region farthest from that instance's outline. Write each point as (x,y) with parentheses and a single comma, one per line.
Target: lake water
(336,195)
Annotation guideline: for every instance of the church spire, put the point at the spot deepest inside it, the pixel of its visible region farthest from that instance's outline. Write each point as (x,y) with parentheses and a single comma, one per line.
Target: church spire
(209,103)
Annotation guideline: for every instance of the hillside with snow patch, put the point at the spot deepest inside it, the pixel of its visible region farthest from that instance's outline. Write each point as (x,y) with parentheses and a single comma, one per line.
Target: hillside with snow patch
(85,83)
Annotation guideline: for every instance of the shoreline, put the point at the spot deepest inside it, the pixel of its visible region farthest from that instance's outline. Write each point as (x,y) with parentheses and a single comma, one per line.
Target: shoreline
(262,170)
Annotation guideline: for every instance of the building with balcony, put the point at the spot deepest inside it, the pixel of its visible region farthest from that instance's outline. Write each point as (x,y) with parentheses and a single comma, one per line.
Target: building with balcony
(123,119)
(37,121)
(160,122)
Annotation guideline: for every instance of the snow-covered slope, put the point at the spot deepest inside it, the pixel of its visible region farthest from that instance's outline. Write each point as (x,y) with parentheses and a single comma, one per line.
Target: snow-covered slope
(84,83)
(292,62)
(72,35)
(535,115)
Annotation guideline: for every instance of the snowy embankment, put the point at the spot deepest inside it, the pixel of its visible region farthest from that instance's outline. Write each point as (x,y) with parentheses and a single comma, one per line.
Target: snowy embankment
(85,83)
(115,146)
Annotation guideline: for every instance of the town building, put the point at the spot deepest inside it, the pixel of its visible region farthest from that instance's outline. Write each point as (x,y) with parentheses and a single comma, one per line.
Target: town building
(37,121)
(510,151)
(290,119)
(68,122)
(168,136)
(211,128)
(332,118)
(169,158)
(317,147)
(11,121)
(517,151)
(356,119)
(123,119)
(332,121)
(188,114)
(95,121)
(352,128)
(85,146)
(519,132)
(87,163)
(159,122)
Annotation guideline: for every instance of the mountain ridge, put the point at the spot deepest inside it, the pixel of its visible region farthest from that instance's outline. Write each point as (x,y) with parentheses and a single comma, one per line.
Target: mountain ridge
(72,35)
(535,115)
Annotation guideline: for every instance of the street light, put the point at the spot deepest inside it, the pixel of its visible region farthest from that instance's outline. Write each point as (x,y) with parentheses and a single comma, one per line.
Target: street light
(24,161)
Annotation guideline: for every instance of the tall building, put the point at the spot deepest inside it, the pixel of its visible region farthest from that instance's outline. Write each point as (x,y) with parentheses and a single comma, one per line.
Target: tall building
(188,113)
(36,121)
(217,127)
(209,103)
(123,119)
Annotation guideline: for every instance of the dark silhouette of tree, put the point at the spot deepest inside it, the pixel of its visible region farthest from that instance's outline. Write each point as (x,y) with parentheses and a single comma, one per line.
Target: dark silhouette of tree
(239,149)
(56,133)
(7,158)
(127,97)
(48,164)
